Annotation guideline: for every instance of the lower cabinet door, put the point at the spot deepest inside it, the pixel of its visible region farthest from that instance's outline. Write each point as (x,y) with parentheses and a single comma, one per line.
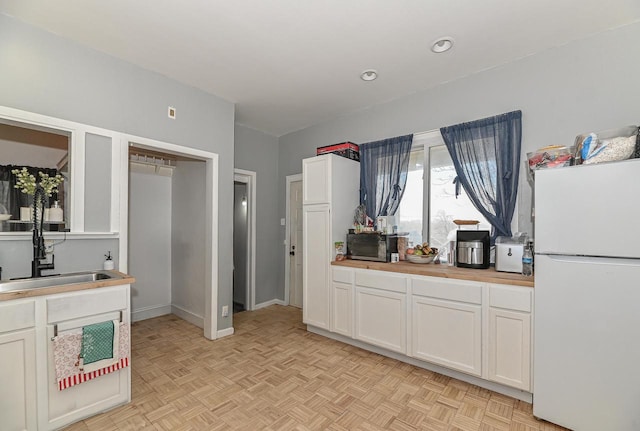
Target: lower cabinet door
(342,309)
(448,333)
(380,318)
(510,348)
(18,380)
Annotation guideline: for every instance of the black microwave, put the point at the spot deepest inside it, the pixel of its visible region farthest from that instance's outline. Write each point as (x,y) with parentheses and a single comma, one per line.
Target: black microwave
(373,246)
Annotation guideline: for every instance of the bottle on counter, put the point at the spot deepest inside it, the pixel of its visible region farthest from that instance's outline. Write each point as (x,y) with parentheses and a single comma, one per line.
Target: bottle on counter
(527,261)
(108,263)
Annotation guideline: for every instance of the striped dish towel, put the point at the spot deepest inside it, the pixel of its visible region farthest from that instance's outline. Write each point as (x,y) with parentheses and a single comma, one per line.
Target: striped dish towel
(66,352)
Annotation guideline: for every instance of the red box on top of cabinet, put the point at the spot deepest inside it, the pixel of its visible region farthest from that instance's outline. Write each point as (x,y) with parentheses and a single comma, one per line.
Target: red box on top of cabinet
(344,149)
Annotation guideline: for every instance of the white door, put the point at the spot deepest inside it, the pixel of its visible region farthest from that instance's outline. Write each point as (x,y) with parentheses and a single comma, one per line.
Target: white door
(295,244)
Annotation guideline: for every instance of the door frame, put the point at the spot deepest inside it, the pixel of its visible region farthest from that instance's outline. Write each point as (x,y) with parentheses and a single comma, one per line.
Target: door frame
(211,217)
(249,178)
(287,223)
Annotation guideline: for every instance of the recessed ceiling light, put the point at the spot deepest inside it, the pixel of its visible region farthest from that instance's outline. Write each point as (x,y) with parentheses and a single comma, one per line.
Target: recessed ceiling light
(369,75)
(442,44)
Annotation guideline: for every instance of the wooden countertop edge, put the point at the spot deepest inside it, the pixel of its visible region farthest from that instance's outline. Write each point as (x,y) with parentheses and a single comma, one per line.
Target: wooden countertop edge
(30,293)
(434,270)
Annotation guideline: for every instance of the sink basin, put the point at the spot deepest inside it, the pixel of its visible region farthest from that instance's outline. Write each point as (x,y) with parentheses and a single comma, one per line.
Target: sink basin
(57,280)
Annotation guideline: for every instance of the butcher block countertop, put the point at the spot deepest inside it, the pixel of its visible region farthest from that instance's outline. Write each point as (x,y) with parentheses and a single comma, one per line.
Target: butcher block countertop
(436,270)
(28,293)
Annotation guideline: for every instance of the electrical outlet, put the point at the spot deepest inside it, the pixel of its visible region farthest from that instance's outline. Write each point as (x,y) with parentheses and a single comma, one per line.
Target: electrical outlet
(225,311)
(48,246)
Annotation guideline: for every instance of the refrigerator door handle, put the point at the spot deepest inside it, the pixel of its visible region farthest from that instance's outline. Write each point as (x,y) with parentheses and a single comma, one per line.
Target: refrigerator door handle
(598,260)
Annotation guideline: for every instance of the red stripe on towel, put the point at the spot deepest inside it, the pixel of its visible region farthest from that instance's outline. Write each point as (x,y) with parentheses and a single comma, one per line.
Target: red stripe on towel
(81,378)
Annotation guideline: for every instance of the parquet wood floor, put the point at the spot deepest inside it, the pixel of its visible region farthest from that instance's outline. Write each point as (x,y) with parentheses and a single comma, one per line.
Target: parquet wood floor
(274,375)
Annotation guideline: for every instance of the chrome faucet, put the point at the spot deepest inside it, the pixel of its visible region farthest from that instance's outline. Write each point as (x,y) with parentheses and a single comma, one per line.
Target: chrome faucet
(39,251)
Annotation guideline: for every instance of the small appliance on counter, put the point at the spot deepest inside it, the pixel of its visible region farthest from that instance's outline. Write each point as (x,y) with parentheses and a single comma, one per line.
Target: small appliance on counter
(373,246)
(509,252)
(472,250)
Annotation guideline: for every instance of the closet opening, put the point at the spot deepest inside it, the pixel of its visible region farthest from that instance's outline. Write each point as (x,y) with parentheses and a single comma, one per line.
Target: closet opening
(167,245)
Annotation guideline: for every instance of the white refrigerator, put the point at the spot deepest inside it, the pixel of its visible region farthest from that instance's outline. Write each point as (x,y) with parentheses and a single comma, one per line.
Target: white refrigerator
(587,296)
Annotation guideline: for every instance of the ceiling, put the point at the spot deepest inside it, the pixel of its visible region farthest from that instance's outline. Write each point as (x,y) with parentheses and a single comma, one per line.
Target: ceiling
(289,64)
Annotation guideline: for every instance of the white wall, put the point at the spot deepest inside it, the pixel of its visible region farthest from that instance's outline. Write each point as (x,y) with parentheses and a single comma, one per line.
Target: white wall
(150,244)
(586,85)
(188,239)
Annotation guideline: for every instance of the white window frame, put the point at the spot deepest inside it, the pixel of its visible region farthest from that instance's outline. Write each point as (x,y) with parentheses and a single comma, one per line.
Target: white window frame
(426,140)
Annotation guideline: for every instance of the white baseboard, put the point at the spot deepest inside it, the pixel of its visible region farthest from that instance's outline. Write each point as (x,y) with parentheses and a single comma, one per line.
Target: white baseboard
(269,303)
(150,312)
(188,316)
(492,386)
(225,332)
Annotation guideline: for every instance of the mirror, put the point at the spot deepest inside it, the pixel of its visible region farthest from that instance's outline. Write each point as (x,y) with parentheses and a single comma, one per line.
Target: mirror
(39,149)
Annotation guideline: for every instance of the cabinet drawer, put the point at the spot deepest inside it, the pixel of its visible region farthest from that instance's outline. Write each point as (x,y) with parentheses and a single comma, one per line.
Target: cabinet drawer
(442,288)
(14,316)
(380,280)
(343,275)
(510,297)
(76,305)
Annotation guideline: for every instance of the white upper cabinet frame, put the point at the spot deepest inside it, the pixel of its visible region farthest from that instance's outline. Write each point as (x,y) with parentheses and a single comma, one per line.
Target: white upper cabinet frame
(77,148)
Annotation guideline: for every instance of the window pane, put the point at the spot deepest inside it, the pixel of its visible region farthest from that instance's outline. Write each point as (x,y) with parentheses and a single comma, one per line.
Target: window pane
(409,214)
(443,205)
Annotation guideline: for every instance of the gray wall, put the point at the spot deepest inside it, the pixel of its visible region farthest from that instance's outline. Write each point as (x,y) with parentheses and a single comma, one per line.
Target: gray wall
(188,269)
(258,152)
(49,75)
(583,86)
(72,255)
(150,241)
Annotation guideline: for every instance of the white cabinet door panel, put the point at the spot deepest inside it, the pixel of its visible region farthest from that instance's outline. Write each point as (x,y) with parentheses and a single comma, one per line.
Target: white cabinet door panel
(18,381)
(315,180)
(315,266)
(381,318)
(510,348)
(342,309)
(448,333)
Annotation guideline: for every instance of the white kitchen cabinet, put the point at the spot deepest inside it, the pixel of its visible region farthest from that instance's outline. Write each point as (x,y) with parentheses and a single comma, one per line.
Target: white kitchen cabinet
(448,333)
(381,309)
(381,318)
(342,309)
(510,336)
(342,301)
(330,195)
(316,256)
(447,323)
(70,311)
(316,181)
(18,403)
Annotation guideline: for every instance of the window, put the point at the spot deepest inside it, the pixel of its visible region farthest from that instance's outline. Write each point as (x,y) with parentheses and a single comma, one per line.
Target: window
(433,208)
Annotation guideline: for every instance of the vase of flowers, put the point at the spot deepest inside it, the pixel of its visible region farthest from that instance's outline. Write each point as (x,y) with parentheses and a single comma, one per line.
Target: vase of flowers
(26,183)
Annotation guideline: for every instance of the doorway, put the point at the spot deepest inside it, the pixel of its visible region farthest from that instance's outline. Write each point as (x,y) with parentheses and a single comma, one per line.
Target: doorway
(293,258)
(171,241)
(240,247)
(244,240)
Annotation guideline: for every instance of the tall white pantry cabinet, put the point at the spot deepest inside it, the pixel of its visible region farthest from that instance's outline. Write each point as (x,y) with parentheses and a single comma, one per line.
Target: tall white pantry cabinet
(330,196)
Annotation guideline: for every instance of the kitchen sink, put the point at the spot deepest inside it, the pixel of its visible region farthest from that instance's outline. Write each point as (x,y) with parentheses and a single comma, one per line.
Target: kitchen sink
(57,280)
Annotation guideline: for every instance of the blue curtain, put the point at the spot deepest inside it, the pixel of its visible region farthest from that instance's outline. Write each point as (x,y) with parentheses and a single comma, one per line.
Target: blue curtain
(486,156)
(383,174)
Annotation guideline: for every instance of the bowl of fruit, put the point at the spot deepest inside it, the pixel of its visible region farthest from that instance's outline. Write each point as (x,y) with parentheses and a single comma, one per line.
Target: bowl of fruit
(421,253)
